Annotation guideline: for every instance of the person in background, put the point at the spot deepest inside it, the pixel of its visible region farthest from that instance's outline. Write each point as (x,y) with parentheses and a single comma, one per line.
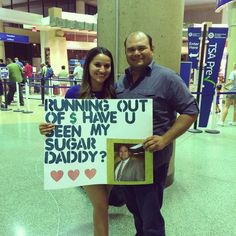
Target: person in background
(19,63)
(27,70)
(15,77)
(2,64)
(219,85)
(41,73)
(218,90)
(48,77)
(63,75)
(78,73)
(230,98)
(97,82)
(28,73)
(146,79)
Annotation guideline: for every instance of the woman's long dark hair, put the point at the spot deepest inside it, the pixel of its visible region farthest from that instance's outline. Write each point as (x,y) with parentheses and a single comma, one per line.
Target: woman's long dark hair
(86,85)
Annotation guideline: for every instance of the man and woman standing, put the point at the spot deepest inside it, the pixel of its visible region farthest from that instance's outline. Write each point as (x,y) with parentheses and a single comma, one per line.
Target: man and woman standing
(143,79)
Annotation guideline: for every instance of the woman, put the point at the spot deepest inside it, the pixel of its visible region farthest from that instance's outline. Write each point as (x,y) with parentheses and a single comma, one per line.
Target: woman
(230,98)
(97,82)
(63,75)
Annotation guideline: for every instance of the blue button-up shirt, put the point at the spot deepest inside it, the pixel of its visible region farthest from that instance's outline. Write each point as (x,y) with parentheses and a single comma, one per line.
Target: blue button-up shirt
(170,96)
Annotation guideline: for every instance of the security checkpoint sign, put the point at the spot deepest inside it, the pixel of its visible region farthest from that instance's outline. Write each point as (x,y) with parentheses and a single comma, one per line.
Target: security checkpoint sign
(214,52)
(76,151)
(4,73)
(194,35)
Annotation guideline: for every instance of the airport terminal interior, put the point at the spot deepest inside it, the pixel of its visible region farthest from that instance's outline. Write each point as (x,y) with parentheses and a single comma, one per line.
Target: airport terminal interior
(201,199)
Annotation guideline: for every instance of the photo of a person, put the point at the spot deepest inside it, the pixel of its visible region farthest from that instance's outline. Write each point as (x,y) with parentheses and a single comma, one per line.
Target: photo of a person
(128,167)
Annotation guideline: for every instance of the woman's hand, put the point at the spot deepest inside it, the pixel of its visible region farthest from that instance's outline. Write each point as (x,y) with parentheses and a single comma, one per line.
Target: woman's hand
(46,128)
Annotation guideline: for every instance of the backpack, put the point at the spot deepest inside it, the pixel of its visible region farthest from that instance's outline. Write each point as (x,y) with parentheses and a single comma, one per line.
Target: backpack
(49,73)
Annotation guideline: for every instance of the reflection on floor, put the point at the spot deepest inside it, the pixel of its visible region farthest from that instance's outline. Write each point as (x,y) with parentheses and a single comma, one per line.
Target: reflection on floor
(200,202)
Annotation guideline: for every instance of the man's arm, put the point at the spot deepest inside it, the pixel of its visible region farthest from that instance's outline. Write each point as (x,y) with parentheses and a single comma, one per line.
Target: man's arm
(156,142)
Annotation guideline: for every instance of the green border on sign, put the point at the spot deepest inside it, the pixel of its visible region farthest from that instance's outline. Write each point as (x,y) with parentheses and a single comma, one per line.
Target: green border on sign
(110,163)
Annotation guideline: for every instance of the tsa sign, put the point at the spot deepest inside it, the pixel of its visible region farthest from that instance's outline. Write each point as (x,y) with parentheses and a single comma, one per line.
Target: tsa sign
(194,35)
(214,52)
(4,74)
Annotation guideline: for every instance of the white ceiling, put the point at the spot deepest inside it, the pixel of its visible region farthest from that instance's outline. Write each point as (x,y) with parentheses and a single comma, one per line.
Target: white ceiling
(198,2)
(187,2)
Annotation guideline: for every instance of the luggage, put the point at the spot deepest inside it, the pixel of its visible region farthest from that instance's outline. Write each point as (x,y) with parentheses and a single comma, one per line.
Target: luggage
(117,196)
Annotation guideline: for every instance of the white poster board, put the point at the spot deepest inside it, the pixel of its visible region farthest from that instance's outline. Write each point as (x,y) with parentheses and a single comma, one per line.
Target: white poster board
(85,129)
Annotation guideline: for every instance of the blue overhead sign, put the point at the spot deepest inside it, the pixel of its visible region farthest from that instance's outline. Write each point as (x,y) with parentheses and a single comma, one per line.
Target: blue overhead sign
(220,4)
(14,38)
(194,35)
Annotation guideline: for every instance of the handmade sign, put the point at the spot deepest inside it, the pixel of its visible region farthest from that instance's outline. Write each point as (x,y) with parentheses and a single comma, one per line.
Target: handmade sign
(90,139)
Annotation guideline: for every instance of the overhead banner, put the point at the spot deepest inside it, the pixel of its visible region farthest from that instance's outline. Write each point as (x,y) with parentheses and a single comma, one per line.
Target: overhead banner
(214,52)
(14,38)
(194,35)
(220,4)
(92,137)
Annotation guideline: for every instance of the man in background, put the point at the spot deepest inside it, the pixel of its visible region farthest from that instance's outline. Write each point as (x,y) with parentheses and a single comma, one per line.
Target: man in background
(2,64)
(78,73)
(15,77)
(19,63)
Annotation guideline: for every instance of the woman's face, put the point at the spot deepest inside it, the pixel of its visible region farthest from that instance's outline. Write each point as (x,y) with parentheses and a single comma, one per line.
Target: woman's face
(99,70)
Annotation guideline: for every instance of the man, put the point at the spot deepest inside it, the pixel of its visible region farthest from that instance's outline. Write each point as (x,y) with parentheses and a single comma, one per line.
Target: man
(145,79)
(19,63)
(230,98)
(2,64)
(78,73)
(128,168)
(15,76)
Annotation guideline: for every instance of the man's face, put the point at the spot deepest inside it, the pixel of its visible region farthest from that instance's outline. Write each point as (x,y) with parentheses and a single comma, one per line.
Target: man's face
(138,51)
(124,153)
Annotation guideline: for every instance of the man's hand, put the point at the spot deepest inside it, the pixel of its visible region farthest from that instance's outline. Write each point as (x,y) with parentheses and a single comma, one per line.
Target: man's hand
(154,143)
(46,128)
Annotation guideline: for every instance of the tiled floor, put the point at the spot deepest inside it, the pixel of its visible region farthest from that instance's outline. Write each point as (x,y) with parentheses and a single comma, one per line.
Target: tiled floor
(201,202)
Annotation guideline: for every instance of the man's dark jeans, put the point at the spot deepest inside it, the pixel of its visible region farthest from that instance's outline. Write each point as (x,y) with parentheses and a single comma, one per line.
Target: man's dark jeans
(145,201)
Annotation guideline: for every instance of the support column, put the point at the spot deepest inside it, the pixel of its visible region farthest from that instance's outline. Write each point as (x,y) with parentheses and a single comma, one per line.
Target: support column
(2,46)
(56,42)
(163,20)
(231,38)
(80,6)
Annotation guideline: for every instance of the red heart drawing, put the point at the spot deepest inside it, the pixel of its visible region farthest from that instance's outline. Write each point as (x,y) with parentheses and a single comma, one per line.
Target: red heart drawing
(90,173)
(57,175)
(73,174)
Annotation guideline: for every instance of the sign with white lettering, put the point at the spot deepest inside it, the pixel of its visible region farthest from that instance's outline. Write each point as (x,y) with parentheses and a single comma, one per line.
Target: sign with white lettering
(194,35)
(4,73)
(90,139)
(214,52)
(14,38)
